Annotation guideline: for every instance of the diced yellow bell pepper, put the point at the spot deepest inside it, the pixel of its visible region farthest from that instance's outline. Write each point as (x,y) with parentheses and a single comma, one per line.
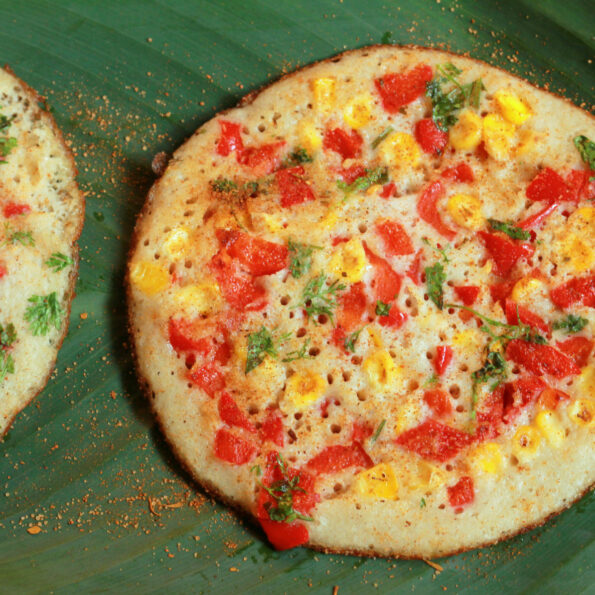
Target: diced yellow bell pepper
(381,370)
(377,483)
(310,137)
(549,426)
(349,261)
(358,111)
(303,389)
(466,211)
(527,289)
(202,298)
(582,413)
(512,107)
(487,457)
(149,277)
(400,151)
(465,135)
(497,136)
(324,93)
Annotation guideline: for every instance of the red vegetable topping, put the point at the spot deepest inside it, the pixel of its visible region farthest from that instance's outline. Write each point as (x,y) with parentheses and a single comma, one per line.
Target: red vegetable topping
(467,294)
(578,184)
(541,359)
(580,290)
(233,449)
(443,357)
(539,217)
(395,319)
(577,348)
(385,282)
(293,187)
(284,536)
(12,209)
(338,457)
(505,252)
(414,270)
(361,431)
(352,173)
(3,271)
(459,173)
(438,401)
(230,139)
(347,144)
(208,377)
(395,238)
(389,190)
(399,89)
(430,137)
(352,307)
(434,441)
(548,185)
(272,428)
(501,291)
(427,210)
(232,415)
(183,336)
(518,394)
(514,311)
(462,493)
(257,256)
(263,159)
(550,398)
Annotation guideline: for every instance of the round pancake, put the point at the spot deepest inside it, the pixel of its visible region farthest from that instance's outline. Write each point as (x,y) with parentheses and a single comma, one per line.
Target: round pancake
(42,211)
(372,334)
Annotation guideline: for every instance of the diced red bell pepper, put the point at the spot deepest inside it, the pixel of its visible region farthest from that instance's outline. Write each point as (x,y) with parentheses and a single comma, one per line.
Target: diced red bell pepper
(428,211)
(443,358)
(438,401)
(3,271)
(461,172)
(395,238)
(183,336)
(434,441)
(347,143)
(489,415)
(415,268)
(462,493)
(541,359)
(338,336)
(352,307)
(395,319)
(467,294)
(352,173)
(548,185)
(501,291)
(272,428)
(514,312)
(550,398)
(518,394)
(399,89)
(360,431)
(262,159)
(505,252)
(284,536)
(230,139)
(232,415)
(580,290)
(257,256)
(577,348)
(293,187)
(537,218)
(232,448)
(430,137)
(579,185)
(12,209)
(386,283)
(389,190)
(208,377)
(338,457)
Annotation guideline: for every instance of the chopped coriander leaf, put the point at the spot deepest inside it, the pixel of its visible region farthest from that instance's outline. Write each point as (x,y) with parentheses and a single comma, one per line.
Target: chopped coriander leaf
(282,492)
(441,251)
(385,40)
(422,503)
(256,470)
(435,277)
(7,143)
(586,148)
(351,340)
(378,431)
(300,258)
(260,344)
(318,297)
(58,261)
(223,185)
(44,311)
(8,335)
(571,324)
(25,238)
(510,229)
(378,175)
(493,369)
(381,136)
(297,157)
(432,380)
(251,187)
(296,354)
(382,309)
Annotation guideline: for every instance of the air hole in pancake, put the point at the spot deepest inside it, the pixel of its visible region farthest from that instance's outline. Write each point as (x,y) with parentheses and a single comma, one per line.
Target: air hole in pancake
(463,367)
(514,461)
(460,409)
(454,391)
(188,264)
(362,395)
(329,378)
(192,199)
(157,256)
(314,351)
(336,429)
(358,506)
(363,228)
(413,385)
(291,315)
(188,213)
(292,436)
(337,487)
(284,300)
(253,410)
(297,415)
(442,506)
(172,268)
(301,332)
(356,359)
(208,213)
(346,375)
(261,127)
(146,243)
(392,353)
(429,355)
(323,319)
(449,467)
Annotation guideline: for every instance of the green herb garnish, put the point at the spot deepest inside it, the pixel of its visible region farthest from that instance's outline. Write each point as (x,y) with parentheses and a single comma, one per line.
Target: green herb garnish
(300,258)
(223,185)
(58,261)
(261,344)
(44,311)
(318,297)
(382,309)
(256,470)
(422,503)
(510,229)
(297,157)
(381,136)
(571,324)
(378,431)
(378,175)
(586,148)
(301,353)
(8,336)
(433,380)
(7,143)
(441,251)
(25,238)
(386,37)
(282,492)
(435,277)
(351,340)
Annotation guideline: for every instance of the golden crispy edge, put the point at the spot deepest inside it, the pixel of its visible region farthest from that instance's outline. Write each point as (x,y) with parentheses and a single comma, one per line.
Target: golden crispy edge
(69,295)
(207,486)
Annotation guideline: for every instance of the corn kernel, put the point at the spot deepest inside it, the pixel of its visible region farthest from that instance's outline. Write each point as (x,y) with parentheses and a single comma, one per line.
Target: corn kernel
(426,477)
(512,107)
(309,137)
(375,337)
(302,389)
(203,298)
(148,277)
(465,135)
(329,219)
(586,380)
(408,416)
(497,136)
(582,413)
(469,341)
(381,370)
(400,150)
(349,261)
(525,290)
(378,483)
(527,142)
(324,94)
(273,223)
(549,426)
(488,457)
(465,211)
(576,252)
(525,443)
(176,242)
(358,111)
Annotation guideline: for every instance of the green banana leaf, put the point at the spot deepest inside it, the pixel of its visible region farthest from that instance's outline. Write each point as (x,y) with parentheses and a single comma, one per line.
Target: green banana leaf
(85,462)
